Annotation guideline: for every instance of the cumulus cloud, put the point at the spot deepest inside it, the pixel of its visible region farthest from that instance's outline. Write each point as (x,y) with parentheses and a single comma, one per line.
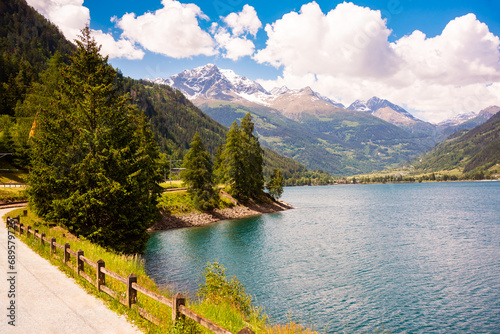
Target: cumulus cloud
(71,17)
(235,42)
(464,53)
(235,47)
(173,30)
(244,22)
(121,48)
(349,40)
(345,54)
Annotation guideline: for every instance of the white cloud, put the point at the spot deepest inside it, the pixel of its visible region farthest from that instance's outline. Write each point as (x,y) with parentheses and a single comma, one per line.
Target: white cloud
(236,43)
(122,48)
(346,54)
(71,17)
(172,30)
(235,47)
(349,40)
(465,53)
(244,22)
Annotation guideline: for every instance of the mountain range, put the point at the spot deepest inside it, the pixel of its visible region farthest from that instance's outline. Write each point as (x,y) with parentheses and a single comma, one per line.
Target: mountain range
(311,128)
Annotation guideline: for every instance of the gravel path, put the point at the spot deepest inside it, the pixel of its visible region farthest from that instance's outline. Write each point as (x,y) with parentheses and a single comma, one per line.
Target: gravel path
(46,300)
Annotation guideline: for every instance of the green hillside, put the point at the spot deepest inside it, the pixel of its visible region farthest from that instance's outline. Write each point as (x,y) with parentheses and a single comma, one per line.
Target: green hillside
(27,41)
(474,153)
(342,142)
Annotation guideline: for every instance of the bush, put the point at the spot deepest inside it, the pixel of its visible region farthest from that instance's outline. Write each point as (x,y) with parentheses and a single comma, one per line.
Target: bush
(218,289)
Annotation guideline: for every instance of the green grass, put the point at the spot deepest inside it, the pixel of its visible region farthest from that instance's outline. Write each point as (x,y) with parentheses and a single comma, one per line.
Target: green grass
(176,202)
(10,174)
(172,184)
(179,202)
(16,194)
(223,313)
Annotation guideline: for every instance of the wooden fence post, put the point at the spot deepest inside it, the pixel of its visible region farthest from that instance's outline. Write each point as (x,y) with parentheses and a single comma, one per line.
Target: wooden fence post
(52,246)
(21,228)
(177,301)
(28,232)
(131,292)
(36,232)
(79,262)
(101,277)
(66,253)
(25,213)
(41,238)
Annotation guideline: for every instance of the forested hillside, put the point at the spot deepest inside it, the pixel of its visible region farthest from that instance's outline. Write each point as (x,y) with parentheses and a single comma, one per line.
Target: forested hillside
(27,41)
(174,119)
(474,153)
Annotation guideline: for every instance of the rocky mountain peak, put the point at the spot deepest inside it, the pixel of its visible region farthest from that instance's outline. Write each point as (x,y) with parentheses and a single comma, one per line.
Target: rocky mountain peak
(490,111)
(279,90)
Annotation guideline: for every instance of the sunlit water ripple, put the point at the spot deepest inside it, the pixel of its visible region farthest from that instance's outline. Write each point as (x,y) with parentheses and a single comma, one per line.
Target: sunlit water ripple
(408,258)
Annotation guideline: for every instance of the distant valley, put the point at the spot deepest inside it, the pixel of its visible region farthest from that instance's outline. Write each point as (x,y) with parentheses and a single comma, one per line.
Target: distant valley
(315,130)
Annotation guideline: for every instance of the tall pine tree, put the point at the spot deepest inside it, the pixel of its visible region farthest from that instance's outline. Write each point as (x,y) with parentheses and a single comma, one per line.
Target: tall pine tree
(198,175)
(93,156)
(243,161)
(276,183)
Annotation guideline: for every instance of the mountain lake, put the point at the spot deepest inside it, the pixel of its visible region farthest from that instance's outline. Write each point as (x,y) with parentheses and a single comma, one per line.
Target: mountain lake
(402,258)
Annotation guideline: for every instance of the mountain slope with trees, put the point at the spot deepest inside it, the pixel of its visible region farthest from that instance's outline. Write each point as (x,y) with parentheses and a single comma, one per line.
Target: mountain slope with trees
(27,41)
(474,152)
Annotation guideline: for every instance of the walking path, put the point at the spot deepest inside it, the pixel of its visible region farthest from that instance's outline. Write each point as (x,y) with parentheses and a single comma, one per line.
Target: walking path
(46,300)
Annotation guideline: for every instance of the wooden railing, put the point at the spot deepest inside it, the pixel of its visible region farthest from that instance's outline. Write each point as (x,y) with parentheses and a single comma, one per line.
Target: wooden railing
(177,304)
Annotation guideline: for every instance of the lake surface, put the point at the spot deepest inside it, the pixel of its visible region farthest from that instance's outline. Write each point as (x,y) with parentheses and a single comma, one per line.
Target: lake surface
(406,258)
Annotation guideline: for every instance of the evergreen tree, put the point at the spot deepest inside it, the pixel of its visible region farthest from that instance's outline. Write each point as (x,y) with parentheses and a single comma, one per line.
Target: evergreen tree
(243,161)
(94,159)
(253,157)
(276,183)
(233,165)
(219,166)
(198,175)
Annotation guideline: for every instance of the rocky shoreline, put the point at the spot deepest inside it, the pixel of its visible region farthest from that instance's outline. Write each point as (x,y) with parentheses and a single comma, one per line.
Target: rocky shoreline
(169,221)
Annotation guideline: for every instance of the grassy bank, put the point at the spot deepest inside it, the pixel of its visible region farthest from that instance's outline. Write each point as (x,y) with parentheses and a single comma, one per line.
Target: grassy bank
(179,202)
(223,309)
(14,194)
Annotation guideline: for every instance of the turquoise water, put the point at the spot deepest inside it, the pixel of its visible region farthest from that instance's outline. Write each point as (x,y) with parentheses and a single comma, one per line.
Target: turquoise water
(408,258)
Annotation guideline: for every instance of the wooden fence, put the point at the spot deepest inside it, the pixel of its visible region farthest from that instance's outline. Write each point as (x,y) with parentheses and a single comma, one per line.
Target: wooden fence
(177,304)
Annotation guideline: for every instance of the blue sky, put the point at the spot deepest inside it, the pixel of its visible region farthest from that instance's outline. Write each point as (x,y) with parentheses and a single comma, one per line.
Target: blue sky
(435,58)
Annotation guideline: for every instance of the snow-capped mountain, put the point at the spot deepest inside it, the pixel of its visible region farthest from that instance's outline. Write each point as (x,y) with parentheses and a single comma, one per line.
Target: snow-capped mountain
(359,105)
(392,113)
(459,119)
(375,103)
(212,83)
(209,81)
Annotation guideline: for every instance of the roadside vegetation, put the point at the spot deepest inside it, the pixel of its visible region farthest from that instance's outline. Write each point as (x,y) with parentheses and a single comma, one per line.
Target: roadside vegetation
(220,299)
(17,194)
